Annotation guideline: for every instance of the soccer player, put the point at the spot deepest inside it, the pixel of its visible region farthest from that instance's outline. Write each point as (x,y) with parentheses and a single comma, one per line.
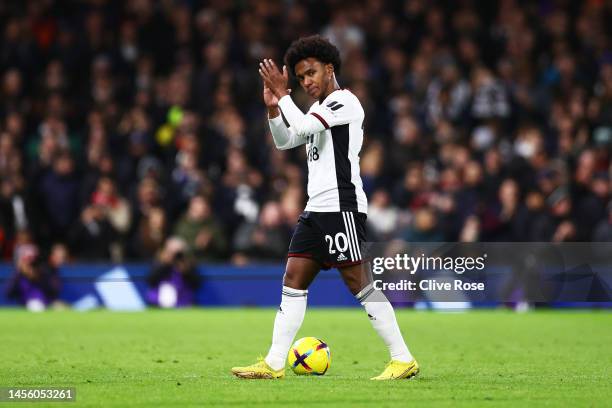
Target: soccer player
(332,227)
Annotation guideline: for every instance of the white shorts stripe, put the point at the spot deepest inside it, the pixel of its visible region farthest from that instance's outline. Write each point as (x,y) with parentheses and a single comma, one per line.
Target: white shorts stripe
(348,236)
(357,249)
(351,235)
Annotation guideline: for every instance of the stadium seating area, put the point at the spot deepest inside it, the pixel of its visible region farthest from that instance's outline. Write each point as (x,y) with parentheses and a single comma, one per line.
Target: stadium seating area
(123,123)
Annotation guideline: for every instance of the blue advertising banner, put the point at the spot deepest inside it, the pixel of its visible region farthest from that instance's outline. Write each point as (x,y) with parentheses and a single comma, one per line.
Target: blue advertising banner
(124,287)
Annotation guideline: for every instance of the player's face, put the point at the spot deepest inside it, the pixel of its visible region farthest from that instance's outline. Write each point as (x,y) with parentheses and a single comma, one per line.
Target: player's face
(314,76)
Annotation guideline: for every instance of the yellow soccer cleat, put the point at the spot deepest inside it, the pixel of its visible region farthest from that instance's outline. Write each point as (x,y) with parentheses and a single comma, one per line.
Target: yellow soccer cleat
(398,370)
(259,370)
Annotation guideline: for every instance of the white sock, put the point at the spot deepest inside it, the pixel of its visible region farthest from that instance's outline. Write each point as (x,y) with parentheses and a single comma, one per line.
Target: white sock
(288,321)
(383,320)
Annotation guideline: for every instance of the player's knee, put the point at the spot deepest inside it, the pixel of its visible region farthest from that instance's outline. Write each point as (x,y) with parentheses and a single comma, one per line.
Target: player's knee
(292,279)
(299,273)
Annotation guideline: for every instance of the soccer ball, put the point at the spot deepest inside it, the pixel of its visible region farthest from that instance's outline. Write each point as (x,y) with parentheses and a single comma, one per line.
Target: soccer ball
(309,355)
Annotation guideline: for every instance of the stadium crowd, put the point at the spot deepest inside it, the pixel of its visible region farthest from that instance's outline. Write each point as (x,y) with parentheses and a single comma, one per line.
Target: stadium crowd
(125,123)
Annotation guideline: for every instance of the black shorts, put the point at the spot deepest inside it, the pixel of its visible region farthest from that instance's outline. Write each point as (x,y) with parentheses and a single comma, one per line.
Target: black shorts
(333,239)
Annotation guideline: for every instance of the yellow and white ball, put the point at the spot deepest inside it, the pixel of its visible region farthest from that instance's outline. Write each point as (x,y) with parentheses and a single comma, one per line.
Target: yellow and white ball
(309,356)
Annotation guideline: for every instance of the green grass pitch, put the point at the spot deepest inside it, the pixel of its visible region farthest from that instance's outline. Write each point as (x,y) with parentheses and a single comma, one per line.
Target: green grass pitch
(183,358)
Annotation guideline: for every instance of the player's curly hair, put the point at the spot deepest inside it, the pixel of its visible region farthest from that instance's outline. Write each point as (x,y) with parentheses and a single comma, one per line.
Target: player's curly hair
(313,46)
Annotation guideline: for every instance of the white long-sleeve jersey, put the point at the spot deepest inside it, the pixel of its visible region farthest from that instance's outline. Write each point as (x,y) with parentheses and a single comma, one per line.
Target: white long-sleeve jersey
(332,131)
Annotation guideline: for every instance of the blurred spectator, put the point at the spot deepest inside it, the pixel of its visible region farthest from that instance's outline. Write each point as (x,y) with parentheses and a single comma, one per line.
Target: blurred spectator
(383,216)
(187,178)
(200,231)
(173,279)
(116,207)
(34,284)
(424,227)
(490,98)
(16,214)
(147,198)
(59,256)
(59,190)
(239,189)
(266,239)
(448,95)
(342,32)
(371,166)
(502,220)
(150,234)
(556,225)
(603,230)
(94,237)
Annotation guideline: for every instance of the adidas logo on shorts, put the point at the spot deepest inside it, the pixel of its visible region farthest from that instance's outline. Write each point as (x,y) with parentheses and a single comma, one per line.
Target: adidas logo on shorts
(341,258)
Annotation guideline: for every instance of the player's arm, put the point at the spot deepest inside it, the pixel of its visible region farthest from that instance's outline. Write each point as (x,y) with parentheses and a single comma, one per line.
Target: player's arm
(301,125)
(284,137)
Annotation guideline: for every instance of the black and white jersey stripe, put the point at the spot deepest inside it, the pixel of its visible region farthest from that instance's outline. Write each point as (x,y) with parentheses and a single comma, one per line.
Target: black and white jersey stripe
(334,181)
